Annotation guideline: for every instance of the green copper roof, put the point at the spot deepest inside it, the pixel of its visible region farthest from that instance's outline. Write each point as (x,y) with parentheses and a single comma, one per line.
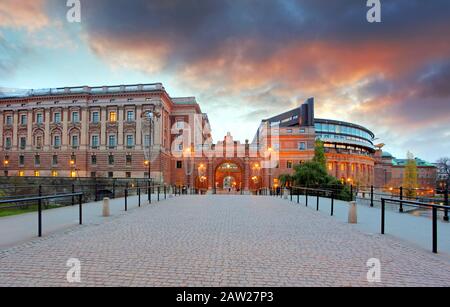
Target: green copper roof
(419,162)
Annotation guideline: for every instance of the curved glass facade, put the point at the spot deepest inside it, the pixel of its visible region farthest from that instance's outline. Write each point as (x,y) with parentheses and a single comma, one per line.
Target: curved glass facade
(330,131)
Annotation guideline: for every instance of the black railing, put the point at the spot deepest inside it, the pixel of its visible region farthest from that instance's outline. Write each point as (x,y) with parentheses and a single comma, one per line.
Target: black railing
(39,200)
(416,204)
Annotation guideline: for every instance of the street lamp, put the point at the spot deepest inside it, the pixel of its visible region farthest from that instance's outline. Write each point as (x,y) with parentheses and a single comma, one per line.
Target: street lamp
(150,116)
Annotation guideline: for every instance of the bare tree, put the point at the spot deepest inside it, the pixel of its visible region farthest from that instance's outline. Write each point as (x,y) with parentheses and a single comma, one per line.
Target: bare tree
(444,167)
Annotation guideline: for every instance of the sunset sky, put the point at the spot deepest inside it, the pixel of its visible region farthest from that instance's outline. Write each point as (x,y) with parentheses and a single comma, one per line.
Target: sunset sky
(246,60)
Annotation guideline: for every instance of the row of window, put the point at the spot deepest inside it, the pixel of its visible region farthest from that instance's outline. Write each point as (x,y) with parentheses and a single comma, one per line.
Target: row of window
(73,174)
(324,128)
(73,160)
(75,117)
(74,141)
(344,138)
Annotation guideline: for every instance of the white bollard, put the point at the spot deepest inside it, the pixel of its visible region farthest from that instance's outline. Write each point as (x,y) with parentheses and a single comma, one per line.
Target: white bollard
(170,192)
(352,213)
(285,193)
(106,207)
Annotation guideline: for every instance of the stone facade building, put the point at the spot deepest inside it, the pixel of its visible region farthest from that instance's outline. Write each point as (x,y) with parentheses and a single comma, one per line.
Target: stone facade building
(129,131)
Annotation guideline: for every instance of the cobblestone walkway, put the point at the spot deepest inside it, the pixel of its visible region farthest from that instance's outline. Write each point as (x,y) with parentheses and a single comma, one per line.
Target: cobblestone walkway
(220,241)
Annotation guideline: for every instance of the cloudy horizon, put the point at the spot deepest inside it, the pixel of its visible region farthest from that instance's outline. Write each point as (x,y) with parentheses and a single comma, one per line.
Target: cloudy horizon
(260,57)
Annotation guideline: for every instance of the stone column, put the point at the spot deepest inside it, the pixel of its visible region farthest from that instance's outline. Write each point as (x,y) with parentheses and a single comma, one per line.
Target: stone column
(29,144)
(139,127)
(103,119)
(65,132)
(15,128)
(84,129)
(47,137)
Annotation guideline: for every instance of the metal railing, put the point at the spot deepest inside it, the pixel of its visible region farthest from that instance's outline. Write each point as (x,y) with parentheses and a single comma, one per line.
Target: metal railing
(434,208)
(39,200)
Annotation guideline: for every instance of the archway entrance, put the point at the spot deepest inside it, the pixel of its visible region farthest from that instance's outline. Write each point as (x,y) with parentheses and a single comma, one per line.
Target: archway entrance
(228,178)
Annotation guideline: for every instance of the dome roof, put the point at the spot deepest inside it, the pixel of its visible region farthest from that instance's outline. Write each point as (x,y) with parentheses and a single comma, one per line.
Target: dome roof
(386,154)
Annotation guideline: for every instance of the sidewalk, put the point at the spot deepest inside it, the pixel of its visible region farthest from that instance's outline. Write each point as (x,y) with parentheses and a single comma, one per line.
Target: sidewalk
(20,228)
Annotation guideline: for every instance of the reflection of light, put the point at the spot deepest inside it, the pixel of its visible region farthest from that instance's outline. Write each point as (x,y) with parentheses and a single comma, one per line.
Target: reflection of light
(146,162)
(72,162)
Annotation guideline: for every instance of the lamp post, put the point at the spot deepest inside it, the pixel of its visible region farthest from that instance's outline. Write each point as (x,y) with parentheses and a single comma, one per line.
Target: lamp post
(150,116)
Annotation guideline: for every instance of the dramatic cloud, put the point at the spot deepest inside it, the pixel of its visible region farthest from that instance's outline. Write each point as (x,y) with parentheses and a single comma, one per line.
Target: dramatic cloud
(26,14)
(265,56)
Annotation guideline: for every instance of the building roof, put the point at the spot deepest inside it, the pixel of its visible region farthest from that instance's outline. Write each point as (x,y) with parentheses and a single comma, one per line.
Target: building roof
(419,162)
(386,154)
(97,90)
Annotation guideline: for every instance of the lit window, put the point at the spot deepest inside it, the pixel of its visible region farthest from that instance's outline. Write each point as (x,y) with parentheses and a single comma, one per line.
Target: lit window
(73,174)
(37,174)
(54,174)
(21,173)
(112,117)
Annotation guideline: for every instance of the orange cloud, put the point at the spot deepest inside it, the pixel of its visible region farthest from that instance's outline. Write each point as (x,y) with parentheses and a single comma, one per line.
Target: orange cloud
(27,14)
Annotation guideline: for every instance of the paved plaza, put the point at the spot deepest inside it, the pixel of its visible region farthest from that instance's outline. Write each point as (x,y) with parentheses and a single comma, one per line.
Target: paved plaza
(220,241)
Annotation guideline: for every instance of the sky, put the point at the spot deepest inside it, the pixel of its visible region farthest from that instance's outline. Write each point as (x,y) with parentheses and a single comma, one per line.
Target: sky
(246,60)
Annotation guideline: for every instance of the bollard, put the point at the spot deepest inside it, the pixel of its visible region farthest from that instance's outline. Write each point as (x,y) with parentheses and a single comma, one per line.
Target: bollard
(371,196)
(126,197)
(139,196)
(40,213)
(105,211)
(401,198)
(73,192)
(352,213)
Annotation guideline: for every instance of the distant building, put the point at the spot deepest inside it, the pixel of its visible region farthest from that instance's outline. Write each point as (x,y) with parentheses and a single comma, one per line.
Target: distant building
(389,172)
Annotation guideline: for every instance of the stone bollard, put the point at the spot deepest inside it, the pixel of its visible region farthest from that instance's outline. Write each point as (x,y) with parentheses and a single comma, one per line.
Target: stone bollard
(352,213)
(170,191)
(106,207)
(285,193)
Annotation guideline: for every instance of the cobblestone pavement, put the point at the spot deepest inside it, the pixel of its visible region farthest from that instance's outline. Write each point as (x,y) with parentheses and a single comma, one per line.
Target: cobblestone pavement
(220,241)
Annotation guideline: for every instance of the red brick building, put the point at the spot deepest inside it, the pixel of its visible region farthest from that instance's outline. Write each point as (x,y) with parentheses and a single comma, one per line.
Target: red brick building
(129,130)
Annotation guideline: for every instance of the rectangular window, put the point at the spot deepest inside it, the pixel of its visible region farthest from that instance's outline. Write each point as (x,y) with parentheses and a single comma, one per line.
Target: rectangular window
(54,173)
(93,159)
(21,160)
(147,140)
(39,118)
(128,175)
(289,130)
(57,141)
(112,117)
(8,143)
(55,160)
(129,159)
(37,174)
(23,142)
(179,164)
(302,130)
(37,160)
(130,116)
(75,117)
(180,124)
(111,160)
(21,173)
(289,164)
(9,120)
(94,141)
(130,141)
(110,174)
(112,141)
(75,141)
(301,146)
(95,117)
(39,142)
(180,147)
(93,174)
(23,119)
(57,118)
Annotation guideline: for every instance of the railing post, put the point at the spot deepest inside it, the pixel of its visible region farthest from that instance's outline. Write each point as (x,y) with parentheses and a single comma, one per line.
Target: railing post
(435,229)
(40,212)
(351,192)
(158,192)
(318,200)
(114,189)
(96,188)
(126,196)
(73,192)
(332,203)
(401,198)
(383,204)
(80,203)
(291,193)
(298,196)
(148,192)
(306,194)
(165,192)
(446,204)
(371,195)
(139,196)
